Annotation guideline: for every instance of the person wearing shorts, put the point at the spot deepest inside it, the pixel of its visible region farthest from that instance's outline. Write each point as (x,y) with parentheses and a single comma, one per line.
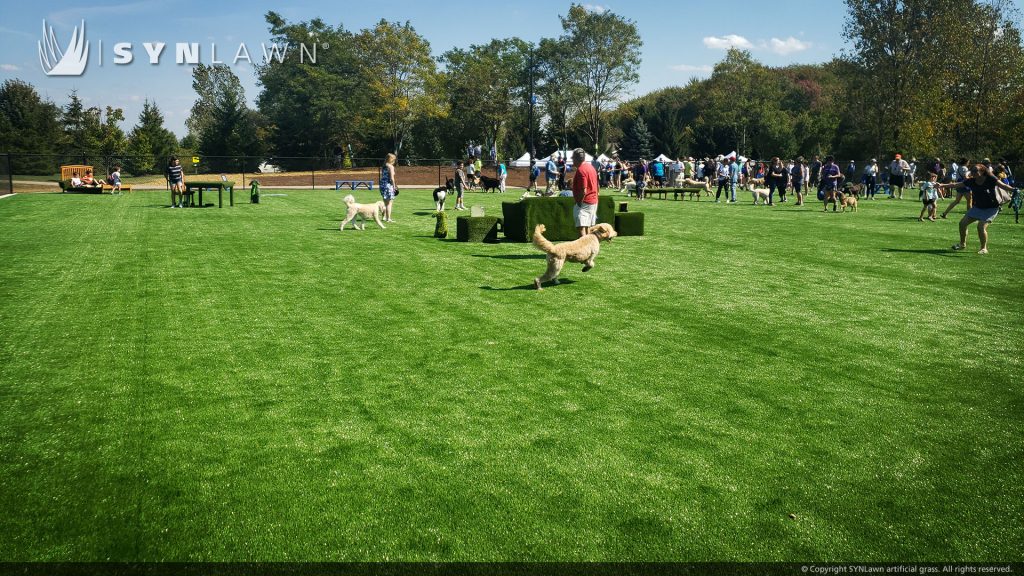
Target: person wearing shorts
(584,192)
(176,178)
(963,173)
(897,176)
(986,207)
(929,196)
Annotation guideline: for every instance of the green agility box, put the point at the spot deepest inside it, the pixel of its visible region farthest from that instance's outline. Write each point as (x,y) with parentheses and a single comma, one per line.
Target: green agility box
(520,218)
(477,228)
(629,223)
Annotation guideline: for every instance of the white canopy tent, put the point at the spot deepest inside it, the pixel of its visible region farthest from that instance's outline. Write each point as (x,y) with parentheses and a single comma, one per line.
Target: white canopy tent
(523,161)
(567,154)
(662,158)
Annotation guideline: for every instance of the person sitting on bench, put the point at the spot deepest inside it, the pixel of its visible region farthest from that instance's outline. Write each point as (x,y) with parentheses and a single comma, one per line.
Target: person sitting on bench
(89,181)
(76,181)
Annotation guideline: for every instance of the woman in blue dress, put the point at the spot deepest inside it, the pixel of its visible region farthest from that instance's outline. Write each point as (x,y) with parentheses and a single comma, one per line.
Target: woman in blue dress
(388,187)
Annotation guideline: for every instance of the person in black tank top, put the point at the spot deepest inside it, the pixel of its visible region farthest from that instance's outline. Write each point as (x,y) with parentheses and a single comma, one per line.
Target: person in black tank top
(983,185)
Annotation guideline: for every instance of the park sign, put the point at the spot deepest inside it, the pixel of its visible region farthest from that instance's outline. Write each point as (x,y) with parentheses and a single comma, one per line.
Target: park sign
(195,159)
(73,59)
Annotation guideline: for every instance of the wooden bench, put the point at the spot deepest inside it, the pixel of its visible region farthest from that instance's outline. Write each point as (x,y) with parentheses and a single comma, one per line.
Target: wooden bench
(65,186)
(353,184)
(70,170)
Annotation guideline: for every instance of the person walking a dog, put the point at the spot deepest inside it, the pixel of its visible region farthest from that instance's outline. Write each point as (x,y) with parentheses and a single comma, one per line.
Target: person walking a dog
(830,176)
(584,192)
(388,187)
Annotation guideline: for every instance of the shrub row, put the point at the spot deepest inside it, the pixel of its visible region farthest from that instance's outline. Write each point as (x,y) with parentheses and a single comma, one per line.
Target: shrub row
(520,218)
(477,229)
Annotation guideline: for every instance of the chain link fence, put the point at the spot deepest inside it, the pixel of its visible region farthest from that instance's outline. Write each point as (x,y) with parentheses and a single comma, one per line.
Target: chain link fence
(147,172)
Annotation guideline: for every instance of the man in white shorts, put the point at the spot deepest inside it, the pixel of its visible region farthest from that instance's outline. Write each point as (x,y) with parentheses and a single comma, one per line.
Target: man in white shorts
(584,192)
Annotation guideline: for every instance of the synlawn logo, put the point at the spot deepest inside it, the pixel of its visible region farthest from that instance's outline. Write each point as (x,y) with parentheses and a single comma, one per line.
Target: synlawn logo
(73,60)
(69,62)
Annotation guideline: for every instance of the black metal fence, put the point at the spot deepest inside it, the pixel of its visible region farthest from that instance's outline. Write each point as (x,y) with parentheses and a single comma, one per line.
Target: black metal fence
(6,175)
(292,171)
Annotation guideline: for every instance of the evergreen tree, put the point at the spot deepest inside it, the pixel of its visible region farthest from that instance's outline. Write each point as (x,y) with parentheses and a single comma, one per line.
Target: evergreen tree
(150,143)
(28,125)
(637,143)
(81,127)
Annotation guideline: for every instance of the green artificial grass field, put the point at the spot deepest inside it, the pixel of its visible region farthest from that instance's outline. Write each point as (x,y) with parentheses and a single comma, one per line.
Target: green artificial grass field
(741,383)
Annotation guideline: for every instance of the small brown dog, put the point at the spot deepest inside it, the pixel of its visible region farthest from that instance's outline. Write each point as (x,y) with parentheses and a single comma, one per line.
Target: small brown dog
(848,197)
(583,250)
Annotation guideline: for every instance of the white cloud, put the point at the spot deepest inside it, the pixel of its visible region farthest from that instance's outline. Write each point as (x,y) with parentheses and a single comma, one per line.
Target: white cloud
(787,46)
(9,68)
(596,8)
(702,69)
(726,42)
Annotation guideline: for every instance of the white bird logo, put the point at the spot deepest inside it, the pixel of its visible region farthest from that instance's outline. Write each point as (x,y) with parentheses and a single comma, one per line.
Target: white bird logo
(70,62)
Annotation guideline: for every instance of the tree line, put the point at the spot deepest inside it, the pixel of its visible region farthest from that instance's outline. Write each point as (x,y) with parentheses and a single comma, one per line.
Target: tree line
(921,77)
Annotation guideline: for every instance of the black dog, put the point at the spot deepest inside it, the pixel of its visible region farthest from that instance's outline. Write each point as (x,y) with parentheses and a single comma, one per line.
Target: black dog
(487,183)
(442,192)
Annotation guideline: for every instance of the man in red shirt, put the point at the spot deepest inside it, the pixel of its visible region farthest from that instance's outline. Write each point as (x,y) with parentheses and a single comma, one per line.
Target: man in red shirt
(584,191)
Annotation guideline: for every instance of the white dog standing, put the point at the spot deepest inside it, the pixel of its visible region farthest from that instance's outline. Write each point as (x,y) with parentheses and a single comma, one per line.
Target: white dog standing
(362,211)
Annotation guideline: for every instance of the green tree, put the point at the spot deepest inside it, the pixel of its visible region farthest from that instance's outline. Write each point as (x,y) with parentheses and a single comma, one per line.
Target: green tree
(310,109)
(150,144)
(989,75)
(485,84)
(899,47)
(226,131)
(397,70)
(209,82)
(637,143)
(28,125)
(81,126)
(558,90)
(605,48)
(113,142)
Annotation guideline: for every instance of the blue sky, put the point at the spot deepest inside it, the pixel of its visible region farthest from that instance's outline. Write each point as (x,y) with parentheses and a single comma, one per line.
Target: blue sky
(682,39)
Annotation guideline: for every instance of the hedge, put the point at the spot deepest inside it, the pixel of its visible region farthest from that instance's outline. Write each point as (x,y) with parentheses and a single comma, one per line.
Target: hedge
(520,218)
(477,229)
(441,227)
(629,223)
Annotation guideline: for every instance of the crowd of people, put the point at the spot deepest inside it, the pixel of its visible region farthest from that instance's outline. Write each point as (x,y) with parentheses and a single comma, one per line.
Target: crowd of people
(979,184)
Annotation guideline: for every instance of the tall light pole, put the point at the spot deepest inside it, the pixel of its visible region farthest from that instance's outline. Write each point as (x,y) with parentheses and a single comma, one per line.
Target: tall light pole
(533,102)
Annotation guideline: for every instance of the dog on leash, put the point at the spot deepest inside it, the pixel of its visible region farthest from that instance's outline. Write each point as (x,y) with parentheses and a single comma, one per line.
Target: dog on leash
(759,193)
(362,211)
(442,192)
(583,250)
(848,197)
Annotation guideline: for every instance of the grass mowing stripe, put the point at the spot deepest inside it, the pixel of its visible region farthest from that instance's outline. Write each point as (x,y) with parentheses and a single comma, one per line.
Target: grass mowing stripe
(252,384)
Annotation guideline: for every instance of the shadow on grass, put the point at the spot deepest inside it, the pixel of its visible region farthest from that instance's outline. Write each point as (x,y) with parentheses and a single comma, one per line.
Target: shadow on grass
(933,251)
(450,238)
(529,286)
(422,213)
(511,256)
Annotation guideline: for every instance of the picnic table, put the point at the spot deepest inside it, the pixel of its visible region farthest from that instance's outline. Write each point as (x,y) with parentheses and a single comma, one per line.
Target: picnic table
(219,185)
(353,184)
